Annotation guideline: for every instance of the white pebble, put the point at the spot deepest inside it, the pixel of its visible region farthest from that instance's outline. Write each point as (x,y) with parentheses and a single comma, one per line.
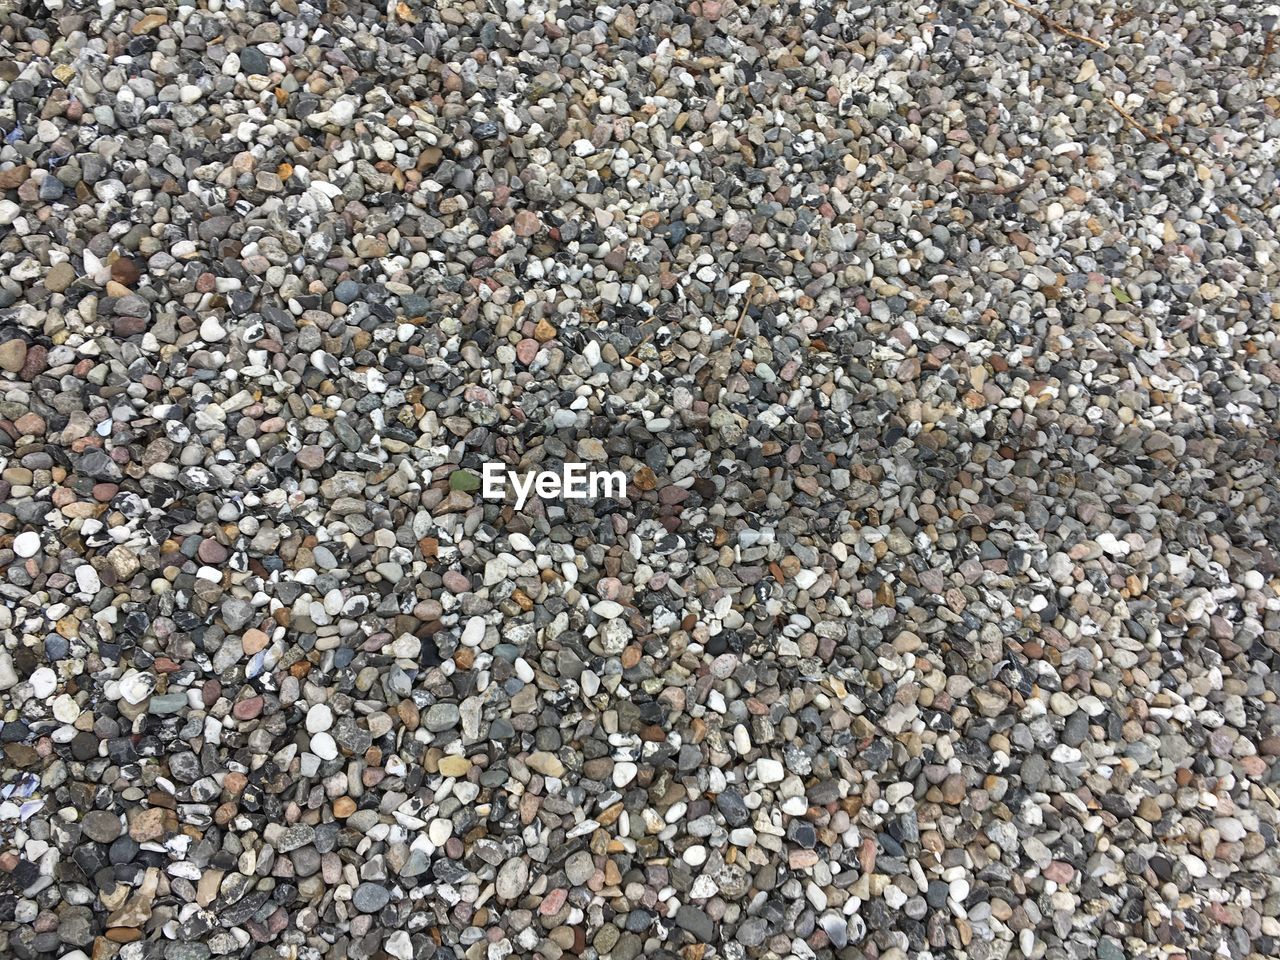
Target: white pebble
(43,682)
(323,746)
(65,709)
(26,544)
(769,771)
(609,609)
(87,579)
(439,831)
(473,632)
(211,331)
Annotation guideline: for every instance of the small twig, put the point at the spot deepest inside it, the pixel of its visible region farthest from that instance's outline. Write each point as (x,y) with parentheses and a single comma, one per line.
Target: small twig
(998,190)
(1268,47)
(631,357)
(746,305)
(1053,24)
(1152,135)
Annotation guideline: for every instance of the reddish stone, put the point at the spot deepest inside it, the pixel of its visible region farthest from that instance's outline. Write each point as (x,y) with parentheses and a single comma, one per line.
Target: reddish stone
(553,901)
(129,326)
(35,364)
(527,223)
(210,691)
(1059,871)
(247,709)
(671,494)
(30,425)
(14,177)
(211,551)
(526,350)
(126,271)
(456,582)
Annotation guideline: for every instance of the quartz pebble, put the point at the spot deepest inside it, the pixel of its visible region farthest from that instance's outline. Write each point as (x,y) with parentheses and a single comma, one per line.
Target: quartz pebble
(319,718)
(26,544)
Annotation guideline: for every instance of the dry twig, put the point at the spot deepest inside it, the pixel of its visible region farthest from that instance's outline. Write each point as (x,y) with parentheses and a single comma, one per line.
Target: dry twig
(632,357)
(1152,135)
(997,190)
(1268,48)
(1053,24)
(746,305)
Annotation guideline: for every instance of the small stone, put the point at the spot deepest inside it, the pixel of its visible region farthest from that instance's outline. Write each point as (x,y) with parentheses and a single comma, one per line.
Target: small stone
(545,763)
(769,771)
(59,277)
(26,544)
(512,880)
(464,480)
(696,923)
(323,746)
(43,682)
(319,719)
(211,331)
(370,897)
(101,826)
(452,766)
(13,354)
(527,223)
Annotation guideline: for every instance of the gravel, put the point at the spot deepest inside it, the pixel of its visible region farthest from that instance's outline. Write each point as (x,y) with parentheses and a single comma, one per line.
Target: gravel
(937,344)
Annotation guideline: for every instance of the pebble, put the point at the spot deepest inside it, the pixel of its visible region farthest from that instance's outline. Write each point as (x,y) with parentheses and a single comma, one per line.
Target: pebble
(319,719)
(43,682)
(101,826)
(512,879)
(370,897)
(453,766)
(324,746)
(26,544)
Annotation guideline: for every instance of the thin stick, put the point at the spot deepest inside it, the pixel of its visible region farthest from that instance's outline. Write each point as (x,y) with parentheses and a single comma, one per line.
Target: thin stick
(999,190)
(1053,24)
(746,305)
(1146,131)
(631,357)
(1268,47)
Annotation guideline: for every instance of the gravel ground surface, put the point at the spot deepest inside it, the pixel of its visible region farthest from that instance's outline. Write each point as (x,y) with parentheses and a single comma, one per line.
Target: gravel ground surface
(938,343)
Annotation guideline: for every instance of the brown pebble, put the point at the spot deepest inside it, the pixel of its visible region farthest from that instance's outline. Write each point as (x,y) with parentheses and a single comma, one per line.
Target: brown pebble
(151,823)
(253,641)
(14,177)
(526,350)
(211,551)
(30,425)
(527,223)
(125,271)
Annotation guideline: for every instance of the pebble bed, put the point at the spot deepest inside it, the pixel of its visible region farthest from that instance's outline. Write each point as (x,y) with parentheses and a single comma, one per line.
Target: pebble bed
(938,343)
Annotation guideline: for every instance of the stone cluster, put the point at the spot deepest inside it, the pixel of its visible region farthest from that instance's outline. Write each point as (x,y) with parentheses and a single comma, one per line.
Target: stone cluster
(938,344)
